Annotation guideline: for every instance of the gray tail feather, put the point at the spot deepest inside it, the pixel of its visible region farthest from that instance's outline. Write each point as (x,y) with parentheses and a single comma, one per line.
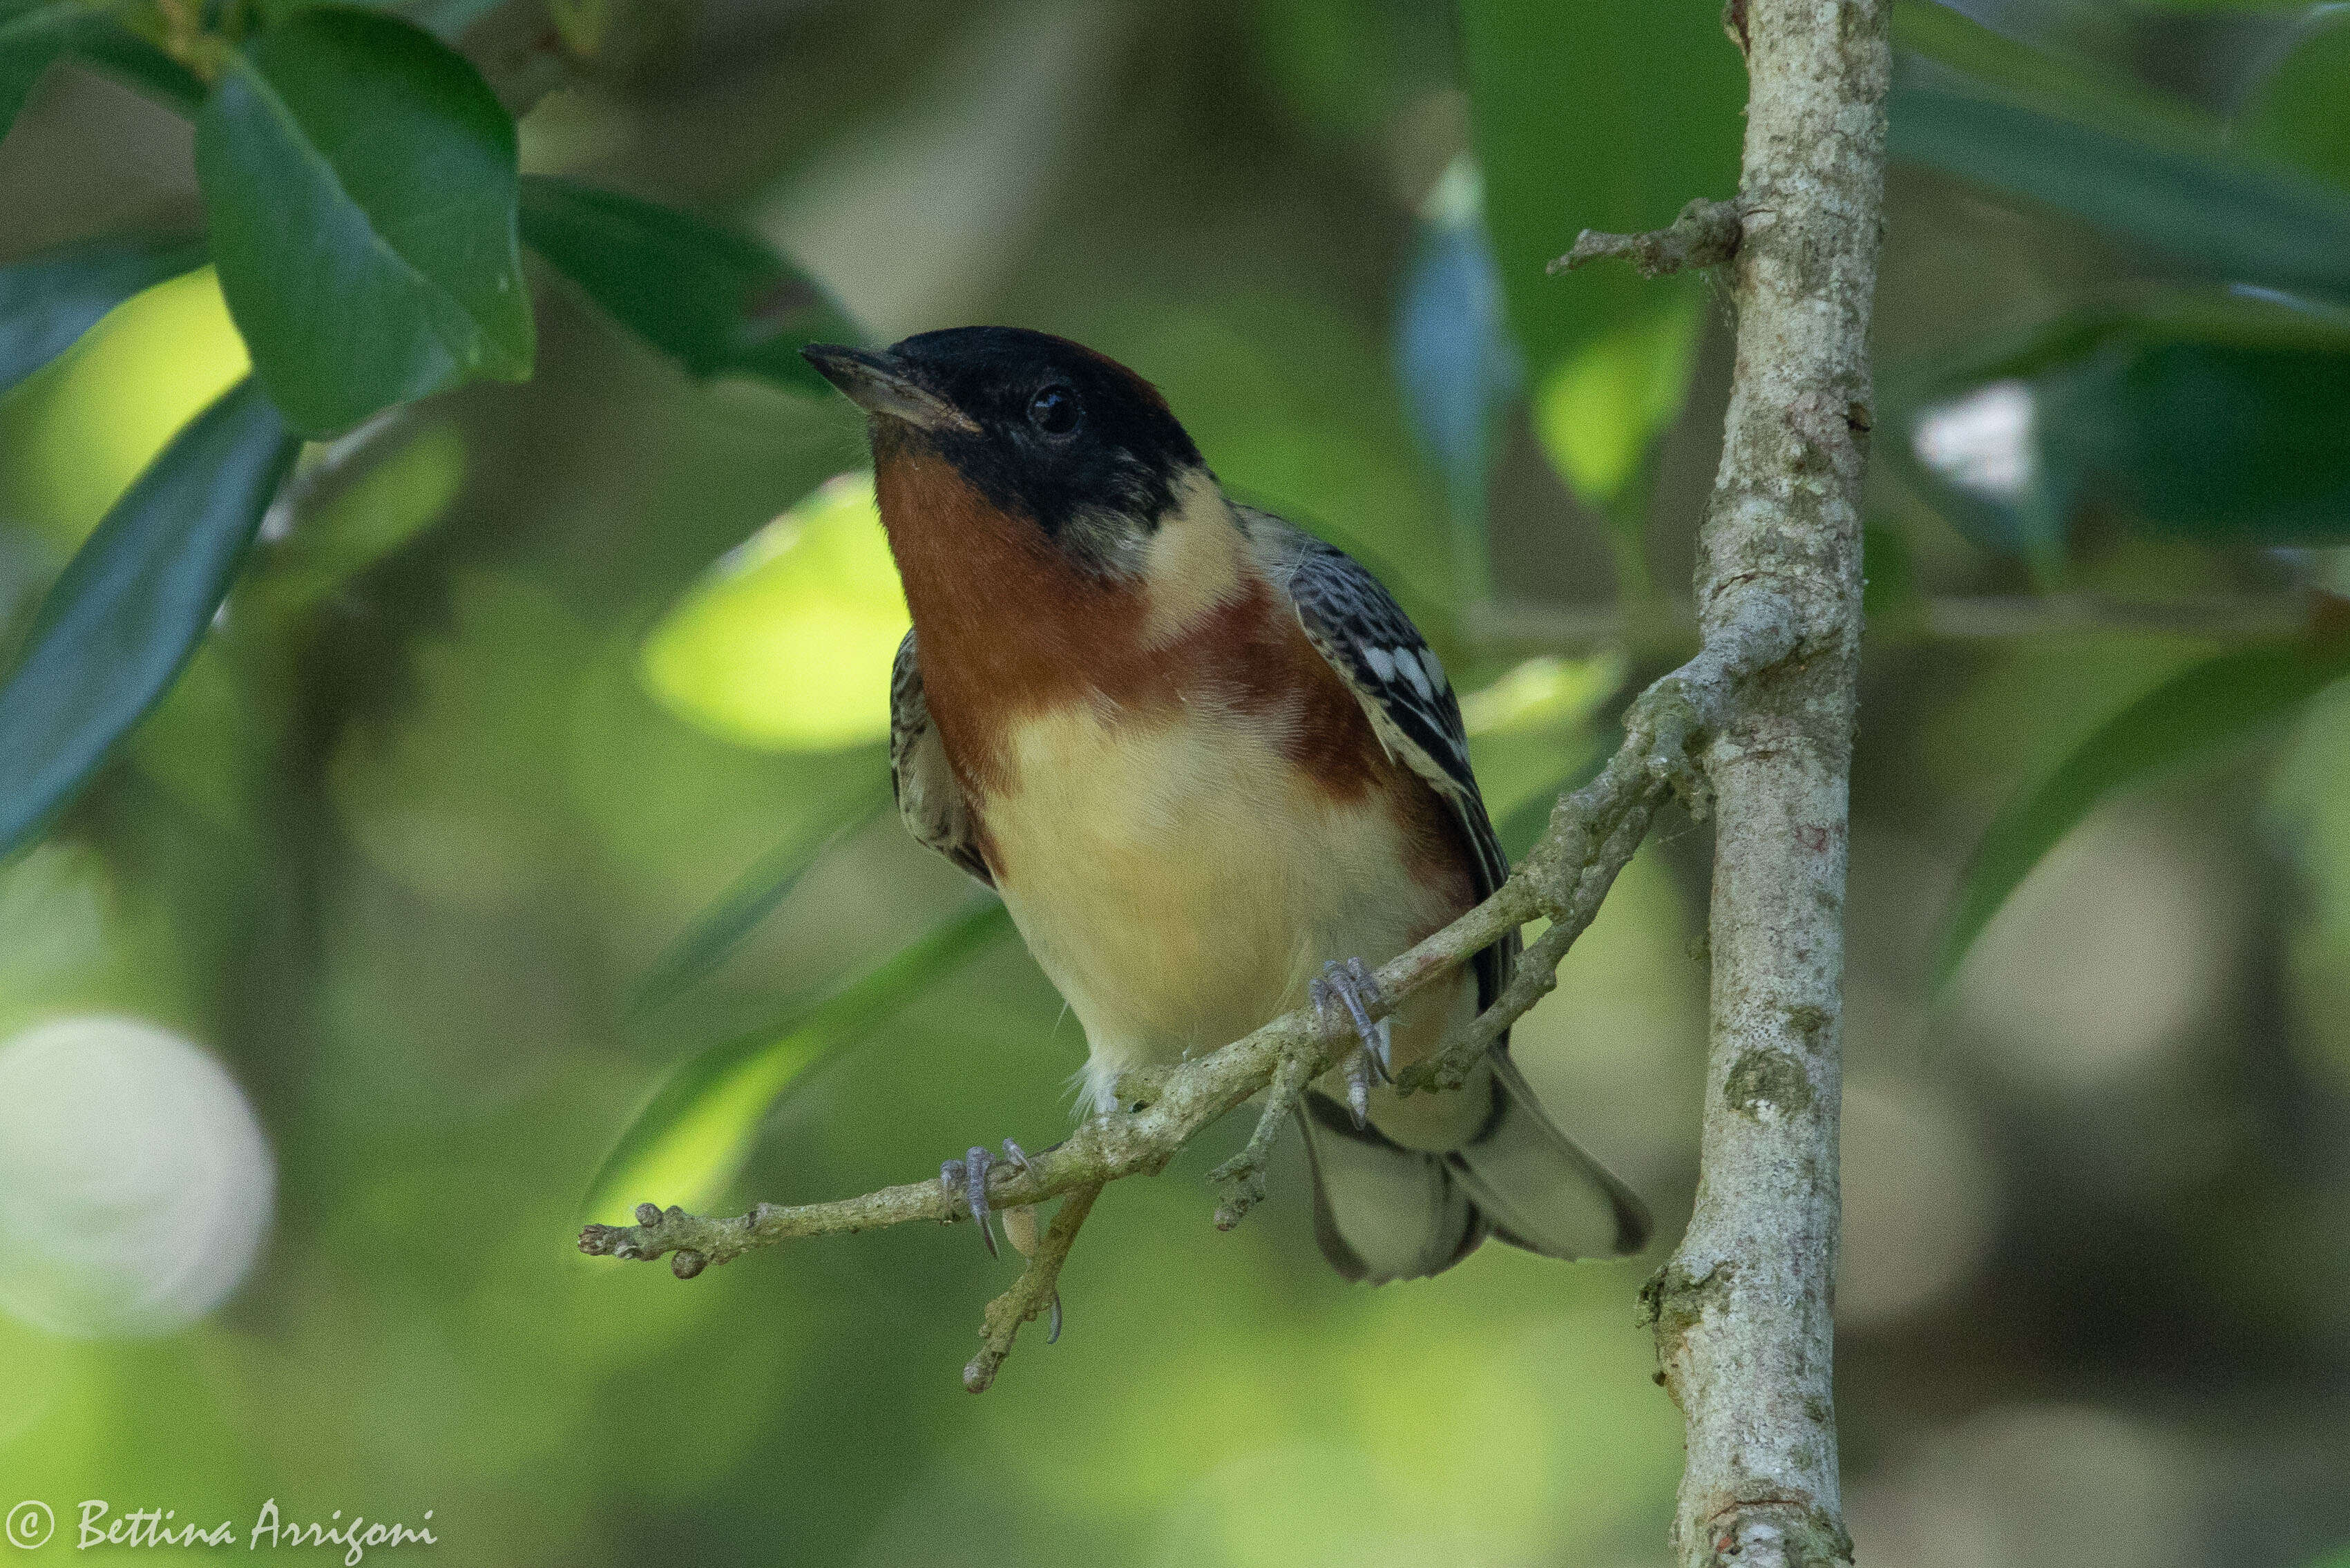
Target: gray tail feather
(1382,1211)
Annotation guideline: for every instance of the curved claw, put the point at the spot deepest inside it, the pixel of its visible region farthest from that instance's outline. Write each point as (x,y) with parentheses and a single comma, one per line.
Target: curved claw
(1379,1039)
(1358,1089)
(1347,982)
(977,1162)
(1351,986)
(1053,1323)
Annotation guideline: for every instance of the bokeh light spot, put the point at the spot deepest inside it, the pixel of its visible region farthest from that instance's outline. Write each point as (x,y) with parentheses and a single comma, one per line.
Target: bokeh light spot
(786,645)
(140,1184)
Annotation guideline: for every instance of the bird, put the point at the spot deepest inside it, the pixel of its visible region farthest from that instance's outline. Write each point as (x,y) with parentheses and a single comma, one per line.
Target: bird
(1214,773)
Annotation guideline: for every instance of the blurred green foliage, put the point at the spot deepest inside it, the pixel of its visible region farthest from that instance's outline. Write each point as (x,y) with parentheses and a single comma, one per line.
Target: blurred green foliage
(518,814)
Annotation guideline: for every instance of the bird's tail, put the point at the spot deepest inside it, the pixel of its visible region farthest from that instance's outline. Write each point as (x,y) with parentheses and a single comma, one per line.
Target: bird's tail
(1383,1211)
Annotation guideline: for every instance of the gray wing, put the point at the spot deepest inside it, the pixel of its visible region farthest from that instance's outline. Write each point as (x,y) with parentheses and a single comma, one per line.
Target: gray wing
(928,796)
(1357,625)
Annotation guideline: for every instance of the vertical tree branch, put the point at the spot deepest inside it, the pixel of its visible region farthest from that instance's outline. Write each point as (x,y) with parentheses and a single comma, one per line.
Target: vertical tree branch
(1743,1310)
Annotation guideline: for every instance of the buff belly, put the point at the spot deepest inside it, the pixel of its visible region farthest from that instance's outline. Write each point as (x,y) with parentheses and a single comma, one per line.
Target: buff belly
(1180,884)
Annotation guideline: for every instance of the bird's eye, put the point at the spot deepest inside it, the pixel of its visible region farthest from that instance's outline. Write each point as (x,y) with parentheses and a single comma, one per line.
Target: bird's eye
(1053,411)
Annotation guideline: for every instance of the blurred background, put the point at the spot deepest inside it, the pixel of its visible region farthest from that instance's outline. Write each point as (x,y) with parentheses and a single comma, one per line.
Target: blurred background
(538,754)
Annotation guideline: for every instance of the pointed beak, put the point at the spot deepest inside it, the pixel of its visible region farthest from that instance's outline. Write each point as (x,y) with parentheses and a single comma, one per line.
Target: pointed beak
(878,384)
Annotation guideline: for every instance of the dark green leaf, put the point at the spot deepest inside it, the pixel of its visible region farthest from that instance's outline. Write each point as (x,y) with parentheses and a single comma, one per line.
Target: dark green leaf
(49,300)
(2196,202)
(360,181)
(2215,416)
(749,899)
(2204,710)
(2050,77)
(716,299)
(33,34)
(128,609)
(1595,114)
(122,54)
(2296,116)
(693,1132)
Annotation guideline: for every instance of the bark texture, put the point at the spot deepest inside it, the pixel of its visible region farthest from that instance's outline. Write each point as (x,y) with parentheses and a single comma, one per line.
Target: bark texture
(1743,1310)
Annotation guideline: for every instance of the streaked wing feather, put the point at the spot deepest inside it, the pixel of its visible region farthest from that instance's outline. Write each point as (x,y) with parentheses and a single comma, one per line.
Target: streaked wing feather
(1357,625)
(928,796)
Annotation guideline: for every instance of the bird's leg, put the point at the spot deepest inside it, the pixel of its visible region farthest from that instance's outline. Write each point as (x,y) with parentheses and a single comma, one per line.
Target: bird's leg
(967,1178)
(1350,985)
(1347,988)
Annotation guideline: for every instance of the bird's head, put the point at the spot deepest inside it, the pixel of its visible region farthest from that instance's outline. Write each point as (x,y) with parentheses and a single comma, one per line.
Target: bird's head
(1047,430)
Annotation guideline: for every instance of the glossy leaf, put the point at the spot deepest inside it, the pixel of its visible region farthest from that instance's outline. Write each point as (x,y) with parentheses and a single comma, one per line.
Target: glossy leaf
(130,607)
(1594,114)
(713,298)
(48,301)
(2202,712)
(360,181)
(786,645)
(750,899)
(79,431)
(694,1131)
(2212,416)
(2232,216)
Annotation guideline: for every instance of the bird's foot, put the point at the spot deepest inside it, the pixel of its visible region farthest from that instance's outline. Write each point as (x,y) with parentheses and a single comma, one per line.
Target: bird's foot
(1351,987)
(1347,987)
(967,1179)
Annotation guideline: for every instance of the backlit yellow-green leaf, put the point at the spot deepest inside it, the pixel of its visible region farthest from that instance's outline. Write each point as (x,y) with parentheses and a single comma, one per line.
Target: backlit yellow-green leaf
(1532,734)
(89,423)
(1597,412)
(1545,692)
(786,644)
(697,1128)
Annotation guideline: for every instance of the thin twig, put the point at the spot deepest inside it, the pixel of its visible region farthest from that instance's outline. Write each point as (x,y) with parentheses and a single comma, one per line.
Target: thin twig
(1035,1291)
(1243,1174)
(1705,235)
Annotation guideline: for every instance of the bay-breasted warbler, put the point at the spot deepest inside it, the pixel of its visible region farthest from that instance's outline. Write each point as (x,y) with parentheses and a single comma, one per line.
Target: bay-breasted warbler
(1206,760)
